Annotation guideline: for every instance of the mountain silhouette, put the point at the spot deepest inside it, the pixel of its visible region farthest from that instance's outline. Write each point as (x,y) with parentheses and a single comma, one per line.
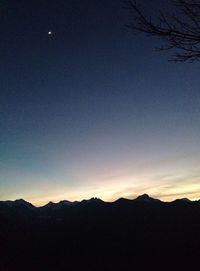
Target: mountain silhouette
(95,235)
(18,202)
(146,198)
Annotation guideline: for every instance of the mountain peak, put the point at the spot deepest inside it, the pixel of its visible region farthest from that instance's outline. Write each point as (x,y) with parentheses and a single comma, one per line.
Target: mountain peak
(146,198)
(123,200)
(185,199)
(50,203)
(64,202)
(92,200)
(22,202)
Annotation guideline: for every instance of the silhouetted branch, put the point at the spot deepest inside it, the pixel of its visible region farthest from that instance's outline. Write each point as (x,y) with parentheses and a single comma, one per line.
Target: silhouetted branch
(180,31)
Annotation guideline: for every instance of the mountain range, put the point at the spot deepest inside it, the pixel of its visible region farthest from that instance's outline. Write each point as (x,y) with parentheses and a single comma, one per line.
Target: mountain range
(93,201)
(143,233)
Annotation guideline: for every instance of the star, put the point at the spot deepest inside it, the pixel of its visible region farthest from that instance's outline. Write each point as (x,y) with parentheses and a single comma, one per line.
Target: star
(49,33)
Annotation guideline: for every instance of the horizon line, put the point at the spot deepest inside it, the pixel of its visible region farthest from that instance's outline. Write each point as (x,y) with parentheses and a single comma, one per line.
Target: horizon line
(97,198)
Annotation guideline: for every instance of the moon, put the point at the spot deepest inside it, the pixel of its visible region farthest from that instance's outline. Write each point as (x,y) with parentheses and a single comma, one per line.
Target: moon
(49,33)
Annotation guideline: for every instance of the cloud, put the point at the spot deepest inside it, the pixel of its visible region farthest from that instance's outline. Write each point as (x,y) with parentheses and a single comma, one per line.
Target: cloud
(165,187)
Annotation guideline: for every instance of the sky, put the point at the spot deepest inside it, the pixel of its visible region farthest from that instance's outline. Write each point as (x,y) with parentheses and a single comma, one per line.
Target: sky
(92,110)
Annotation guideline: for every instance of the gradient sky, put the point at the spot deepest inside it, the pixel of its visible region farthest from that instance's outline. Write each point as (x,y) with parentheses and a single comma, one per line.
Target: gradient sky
(92,110)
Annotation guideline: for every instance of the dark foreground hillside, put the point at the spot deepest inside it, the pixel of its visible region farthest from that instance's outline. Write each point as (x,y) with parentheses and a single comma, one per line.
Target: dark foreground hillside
(94,235)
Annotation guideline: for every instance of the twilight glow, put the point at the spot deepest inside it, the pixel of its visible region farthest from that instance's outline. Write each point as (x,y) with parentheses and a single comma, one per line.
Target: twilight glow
(93,111)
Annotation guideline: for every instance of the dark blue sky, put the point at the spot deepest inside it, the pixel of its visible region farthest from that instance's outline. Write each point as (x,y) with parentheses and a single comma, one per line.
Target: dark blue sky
(92,110)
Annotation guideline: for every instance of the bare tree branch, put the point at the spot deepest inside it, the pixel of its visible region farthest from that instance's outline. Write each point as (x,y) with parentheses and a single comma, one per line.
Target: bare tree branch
(180,31)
